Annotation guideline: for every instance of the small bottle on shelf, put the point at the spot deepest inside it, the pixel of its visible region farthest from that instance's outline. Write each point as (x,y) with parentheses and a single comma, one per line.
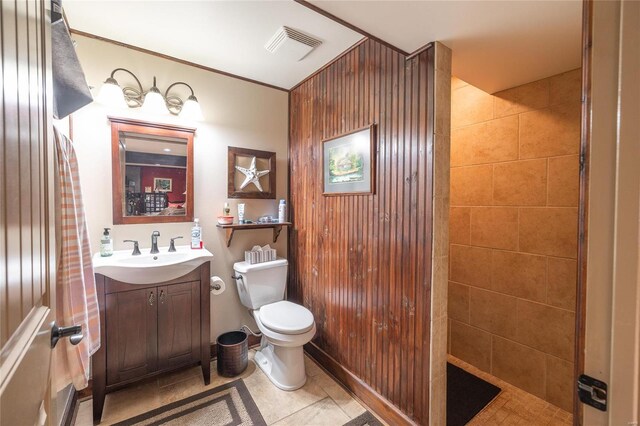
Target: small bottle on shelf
(282,211)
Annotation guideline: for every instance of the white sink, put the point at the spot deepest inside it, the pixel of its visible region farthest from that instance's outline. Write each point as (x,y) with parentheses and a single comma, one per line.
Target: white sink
(150,268)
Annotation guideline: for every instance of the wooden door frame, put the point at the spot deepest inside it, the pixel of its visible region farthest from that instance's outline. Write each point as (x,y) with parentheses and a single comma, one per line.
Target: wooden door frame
(585,138)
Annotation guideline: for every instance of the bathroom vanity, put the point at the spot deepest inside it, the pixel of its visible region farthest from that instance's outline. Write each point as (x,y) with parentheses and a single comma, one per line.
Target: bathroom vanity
(149,329)
(154,305)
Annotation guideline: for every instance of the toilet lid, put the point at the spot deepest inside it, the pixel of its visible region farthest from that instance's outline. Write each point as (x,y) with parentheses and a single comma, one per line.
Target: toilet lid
(286,317)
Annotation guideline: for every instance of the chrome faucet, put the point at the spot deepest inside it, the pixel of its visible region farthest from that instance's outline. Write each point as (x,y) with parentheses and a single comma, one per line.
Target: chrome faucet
(154,242)
(136,248)
(172,244)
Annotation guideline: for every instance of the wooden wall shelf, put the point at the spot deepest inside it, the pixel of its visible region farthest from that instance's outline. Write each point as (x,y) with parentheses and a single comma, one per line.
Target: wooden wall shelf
(230,229)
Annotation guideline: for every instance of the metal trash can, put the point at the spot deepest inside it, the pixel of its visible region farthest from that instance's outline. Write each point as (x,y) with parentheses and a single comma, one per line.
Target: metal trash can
(233,353)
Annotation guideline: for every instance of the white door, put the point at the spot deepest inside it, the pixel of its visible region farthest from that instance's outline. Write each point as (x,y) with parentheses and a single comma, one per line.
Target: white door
(612,316)
(26,225)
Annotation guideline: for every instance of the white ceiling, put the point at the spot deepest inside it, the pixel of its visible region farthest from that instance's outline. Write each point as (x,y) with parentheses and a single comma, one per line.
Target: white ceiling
(496,44)
(226,35)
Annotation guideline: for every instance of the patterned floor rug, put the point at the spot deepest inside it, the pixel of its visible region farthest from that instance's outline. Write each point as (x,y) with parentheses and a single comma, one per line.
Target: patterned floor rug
(228,405)
(365,419)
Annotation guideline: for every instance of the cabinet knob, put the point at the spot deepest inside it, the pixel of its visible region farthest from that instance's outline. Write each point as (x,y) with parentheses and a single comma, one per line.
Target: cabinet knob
(152,298)
(163,296)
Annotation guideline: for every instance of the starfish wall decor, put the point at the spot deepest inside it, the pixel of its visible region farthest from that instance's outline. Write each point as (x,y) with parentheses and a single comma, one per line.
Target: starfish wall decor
(259,184)
(252,175)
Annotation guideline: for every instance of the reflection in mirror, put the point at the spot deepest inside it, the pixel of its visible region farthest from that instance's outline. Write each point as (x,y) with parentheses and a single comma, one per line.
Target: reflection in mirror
(152,172)
(155,171)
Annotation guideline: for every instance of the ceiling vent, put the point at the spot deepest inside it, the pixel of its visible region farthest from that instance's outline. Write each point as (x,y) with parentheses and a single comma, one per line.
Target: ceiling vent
(291,43)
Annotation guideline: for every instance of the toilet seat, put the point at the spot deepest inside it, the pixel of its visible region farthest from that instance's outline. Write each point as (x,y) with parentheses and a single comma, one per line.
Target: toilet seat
(286,317)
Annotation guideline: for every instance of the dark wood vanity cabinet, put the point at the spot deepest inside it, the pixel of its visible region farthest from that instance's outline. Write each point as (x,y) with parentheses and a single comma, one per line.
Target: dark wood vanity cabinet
(131,335)
(150,329)
(178,324)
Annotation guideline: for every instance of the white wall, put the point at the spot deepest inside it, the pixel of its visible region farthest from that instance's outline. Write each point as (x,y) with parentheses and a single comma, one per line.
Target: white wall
(237,113)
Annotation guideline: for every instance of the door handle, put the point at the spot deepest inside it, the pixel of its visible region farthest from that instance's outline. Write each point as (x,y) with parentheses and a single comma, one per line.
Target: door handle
(73,332)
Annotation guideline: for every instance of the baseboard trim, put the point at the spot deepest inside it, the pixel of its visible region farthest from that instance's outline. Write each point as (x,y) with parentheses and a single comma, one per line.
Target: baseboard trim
(69,413)
(380,405)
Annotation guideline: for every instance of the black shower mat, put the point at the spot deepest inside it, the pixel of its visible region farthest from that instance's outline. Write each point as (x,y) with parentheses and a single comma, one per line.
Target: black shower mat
(467,395)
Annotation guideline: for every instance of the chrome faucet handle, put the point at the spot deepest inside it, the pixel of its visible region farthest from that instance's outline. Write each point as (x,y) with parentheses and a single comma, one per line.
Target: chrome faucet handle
(172,246)
(136,248)
(154,242)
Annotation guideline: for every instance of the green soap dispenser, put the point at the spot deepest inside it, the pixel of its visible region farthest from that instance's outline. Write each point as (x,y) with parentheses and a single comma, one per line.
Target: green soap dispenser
(106,244)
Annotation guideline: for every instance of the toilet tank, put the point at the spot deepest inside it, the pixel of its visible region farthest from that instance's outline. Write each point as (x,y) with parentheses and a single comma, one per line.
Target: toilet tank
(261,283)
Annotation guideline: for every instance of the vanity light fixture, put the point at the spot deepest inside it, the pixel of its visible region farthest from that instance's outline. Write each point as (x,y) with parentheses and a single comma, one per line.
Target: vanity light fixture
(151,101)
(189,108)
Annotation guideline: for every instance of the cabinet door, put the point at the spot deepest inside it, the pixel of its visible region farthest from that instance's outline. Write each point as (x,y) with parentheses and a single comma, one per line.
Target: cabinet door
(132,344)
(178,324)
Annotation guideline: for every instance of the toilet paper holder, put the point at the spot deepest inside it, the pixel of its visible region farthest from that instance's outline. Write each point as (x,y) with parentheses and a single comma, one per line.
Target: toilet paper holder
(216,285)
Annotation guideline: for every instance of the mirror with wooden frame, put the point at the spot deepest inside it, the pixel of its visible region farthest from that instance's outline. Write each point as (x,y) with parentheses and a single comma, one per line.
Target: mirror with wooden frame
(152,169)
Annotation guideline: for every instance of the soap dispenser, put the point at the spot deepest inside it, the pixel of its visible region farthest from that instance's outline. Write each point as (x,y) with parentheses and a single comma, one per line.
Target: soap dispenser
(196,235)
(106,244)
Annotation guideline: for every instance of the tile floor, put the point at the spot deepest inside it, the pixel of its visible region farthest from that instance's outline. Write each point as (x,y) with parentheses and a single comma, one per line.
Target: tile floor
(321,401)
(514,406)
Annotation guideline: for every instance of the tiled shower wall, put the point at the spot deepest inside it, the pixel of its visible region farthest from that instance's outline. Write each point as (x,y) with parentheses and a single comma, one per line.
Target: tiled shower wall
(513,232)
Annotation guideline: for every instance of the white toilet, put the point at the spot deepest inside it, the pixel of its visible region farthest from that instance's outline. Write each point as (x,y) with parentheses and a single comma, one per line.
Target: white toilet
(285,326)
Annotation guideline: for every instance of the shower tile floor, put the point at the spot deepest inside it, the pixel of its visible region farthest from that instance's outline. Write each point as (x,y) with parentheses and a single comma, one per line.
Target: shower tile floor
(321,401)
(513,406)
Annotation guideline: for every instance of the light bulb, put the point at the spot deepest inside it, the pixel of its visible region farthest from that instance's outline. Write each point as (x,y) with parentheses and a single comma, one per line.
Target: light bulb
(154,103)
(111,94)
(191,109)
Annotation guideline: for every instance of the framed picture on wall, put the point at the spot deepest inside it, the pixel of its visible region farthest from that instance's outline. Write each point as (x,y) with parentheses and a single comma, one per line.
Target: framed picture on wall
(162,184)
(349,163)
(251,173)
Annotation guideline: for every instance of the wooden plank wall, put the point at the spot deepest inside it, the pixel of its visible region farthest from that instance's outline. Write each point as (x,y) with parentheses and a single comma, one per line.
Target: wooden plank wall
(362,264)
(23,221)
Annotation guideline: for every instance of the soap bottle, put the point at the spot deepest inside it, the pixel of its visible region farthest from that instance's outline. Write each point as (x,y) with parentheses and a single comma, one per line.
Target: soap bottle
(282,211)
(106,244)
(226,210)
(196,235)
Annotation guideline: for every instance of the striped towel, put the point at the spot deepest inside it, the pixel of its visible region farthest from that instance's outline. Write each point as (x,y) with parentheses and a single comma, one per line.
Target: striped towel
(76,298)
